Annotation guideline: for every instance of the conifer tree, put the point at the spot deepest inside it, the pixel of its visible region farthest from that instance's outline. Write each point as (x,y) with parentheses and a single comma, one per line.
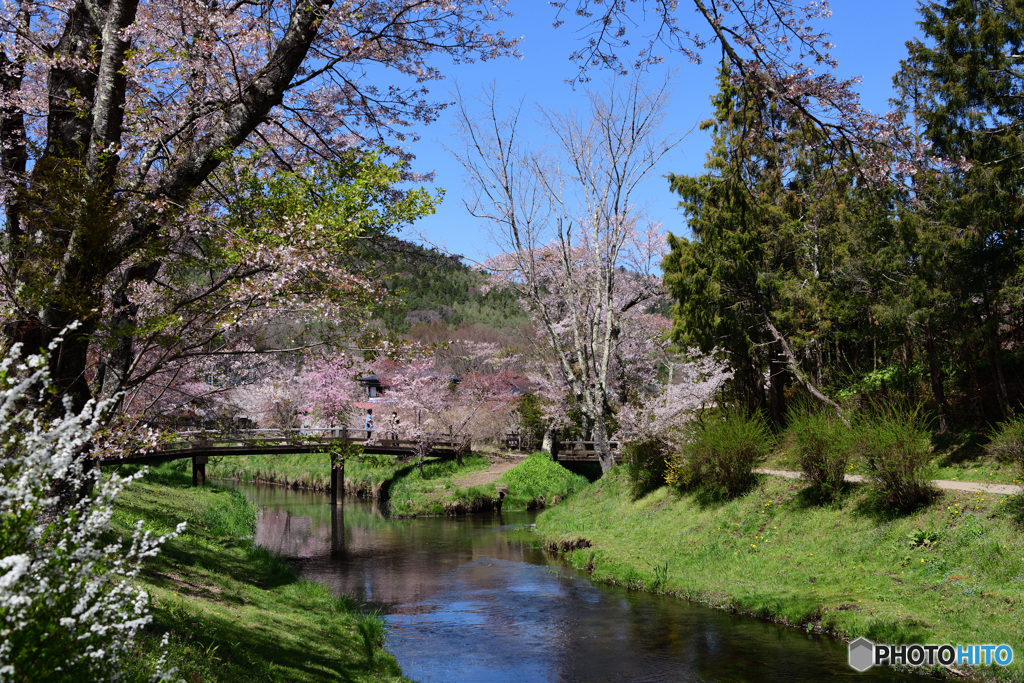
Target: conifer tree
(966,95)
(753,280)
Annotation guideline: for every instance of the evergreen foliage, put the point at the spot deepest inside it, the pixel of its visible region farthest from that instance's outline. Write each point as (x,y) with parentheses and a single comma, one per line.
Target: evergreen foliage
(805,277)
(430,287)
(770,224)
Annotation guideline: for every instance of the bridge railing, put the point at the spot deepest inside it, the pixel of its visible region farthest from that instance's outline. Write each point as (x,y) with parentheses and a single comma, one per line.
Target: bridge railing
(581,450)
(209,438)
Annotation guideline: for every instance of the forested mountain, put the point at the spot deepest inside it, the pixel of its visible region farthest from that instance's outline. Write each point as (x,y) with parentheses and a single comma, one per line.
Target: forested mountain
(430,287)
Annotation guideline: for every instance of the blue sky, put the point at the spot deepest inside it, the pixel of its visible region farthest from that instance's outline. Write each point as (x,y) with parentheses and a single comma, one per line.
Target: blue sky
(869,36)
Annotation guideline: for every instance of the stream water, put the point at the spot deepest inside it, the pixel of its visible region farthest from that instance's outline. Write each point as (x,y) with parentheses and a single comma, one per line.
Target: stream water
(476,599)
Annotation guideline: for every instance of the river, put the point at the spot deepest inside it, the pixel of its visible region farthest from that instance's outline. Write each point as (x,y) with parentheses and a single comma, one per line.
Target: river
(476,599)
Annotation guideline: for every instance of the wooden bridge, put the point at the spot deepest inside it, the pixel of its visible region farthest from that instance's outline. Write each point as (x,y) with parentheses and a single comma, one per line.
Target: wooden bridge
(202,444)
(580,451)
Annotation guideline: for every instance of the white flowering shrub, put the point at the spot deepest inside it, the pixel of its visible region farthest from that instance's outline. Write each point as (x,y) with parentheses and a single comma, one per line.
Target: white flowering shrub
(69,606)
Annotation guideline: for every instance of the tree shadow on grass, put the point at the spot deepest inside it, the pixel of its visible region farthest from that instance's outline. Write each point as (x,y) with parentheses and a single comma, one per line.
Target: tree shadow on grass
(878,508)
(812,497)
(268,648)
(961,446)
(245,615)
(711,497)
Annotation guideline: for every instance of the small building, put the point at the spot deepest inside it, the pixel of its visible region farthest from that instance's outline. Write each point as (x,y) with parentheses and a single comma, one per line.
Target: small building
(374,387)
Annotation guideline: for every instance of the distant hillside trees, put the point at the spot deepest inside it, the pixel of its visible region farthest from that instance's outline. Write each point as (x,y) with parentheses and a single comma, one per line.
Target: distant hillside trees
(427,287)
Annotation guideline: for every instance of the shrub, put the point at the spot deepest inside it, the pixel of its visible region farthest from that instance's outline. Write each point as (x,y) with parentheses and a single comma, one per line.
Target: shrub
(824,449)
(68,606)
(1007,444)
(646,463)
(896,446)
(720,456)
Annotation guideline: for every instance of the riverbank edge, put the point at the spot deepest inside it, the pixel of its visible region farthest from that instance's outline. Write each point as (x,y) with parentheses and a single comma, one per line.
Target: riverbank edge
(231,610)
(369,482)
(608,549)
(400,489)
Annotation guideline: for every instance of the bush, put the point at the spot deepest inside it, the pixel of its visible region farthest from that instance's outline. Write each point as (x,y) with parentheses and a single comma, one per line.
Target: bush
(824,449)
(69,608)
(646,463)
(1007,443)
(721,456)
(896,447)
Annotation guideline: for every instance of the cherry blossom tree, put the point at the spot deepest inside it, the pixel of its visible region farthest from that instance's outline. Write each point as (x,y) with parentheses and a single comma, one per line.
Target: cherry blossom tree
(575,247)
(125,125)
(434,405)
(691,385)
(276,270)
(330,387)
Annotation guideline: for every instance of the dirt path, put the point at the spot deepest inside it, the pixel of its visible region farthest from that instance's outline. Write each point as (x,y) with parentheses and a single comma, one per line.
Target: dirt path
(481,477)
(1005,489)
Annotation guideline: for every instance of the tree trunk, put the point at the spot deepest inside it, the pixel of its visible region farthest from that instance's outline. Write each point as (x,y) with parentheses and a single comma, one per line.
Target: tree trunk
(602,445)
(935,370)
(777,389)
(996,358)
(548,443)
(972,373)
(68,358)
(117,365)
(794,366)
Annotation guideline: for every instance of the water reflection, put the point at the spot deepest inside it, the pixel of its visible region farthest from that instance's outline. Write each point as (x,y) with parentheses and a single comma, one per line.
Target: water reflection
(475,599)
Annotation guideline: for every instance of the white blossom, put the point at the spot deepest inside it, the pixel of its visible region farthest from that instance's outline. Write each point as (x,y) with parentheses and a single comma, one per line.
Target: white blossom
(68,597)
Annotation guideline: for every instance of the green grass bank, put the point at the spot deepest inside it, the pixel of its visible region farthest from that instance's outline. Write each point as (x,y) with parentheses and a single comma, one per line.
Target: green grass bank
(952,571)
(235,612)
(442,489)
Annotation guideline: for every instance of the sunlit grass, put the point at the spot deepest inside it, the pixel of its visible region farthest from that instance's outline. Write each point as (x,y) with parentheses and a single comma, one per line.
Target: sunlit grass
(538,481)
(842,568)
(235,612)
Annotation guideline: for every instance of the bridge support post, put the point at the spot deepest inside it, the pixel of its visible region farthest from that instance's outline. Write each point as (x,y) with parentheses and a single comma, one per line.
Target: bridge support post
(199,469)
(338,530)
(337,479)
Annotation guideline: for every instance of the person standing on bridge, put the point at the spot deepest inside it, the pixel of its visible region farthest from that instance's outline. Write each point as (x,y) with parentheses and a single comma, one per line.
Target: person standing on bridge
(369,421)
(393,426)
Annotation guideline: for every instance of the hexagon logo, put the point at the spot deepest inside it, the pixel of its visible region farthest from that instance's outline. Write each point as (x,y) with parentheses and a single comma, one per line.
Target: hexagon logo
(862,654)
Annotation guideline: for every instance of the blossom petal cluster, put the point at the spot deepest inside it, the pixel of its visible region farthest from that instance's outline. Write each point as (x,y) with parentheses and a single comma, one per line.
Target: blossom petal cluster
(68,599)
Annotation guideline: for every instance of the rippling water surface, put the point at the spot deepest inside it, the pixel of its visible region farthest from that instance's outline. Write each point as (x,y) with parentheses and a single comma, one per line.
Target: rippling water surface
(475,599)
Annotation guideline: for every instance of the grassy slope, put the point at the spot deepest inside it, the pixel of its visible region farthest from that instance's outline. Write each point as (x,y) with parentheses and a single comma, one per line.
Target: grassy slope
(235,612)
(435,493)
(363,475)
(840,569)
(538,481)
